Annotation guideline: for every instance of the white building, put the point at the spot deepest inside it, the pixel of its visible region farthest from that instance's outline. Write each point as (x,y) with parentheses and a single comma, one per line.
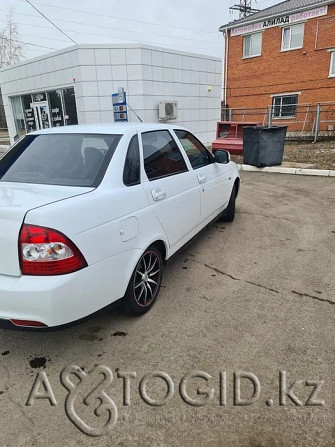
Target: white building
(74,85)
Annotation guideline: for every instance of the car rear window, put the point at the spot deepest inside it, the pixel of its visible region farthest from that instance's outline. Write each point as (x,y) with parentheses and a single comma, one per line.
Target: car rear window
(59,159)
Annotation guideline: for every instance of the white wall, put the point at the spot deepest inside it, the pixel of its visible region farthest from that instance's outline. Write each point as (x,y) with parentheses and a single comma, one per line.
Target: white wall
(148,75)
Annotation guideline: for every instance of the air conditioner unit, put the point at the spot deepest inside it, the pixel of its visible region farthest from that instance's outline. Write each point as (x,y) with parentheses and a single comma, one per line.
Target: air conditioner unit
(168,110)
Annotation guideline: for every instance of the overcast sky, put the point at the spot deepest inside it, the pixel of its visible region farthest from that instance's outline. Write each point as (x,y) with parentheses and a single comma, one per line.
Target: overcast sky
(188,25)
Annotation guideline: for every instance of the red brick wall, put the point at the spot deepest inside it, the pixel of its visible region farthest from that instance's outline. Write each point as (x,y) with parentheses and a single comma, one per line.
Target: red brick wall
(251,82)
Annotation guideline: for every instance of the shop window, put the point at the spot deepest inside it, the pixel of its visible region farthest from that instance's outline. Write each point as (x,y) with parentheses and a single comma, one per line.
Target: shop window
(70,112)
(285,106)
(332,65)
(56,108)
(252,45)
(18,116)
(292,37)
(29,115)
(44,109)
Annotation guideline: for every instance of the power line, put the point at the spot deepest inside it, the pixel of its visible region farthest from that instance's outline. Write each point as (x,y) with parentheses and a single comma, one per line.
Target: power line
(133,40)
(43,37)
(121,39)
(41,52)
(128,20)
(120,29)
(35,36)
(35,45)
(51,21)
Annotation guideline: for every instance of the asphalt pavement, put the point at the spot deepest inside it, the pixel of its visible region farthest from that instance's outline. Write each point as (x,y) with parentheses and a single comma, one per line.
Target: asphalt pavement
(237,351)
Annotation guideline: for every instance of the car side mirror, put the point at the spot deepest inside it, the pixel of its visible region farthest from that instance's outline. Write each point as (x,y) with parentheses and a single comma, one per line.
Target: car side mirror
(221,156)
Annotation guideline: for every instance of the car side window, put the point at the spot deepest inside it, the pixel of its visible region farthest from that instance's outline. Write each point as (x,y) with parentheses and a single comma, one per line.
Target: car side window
(131,171)
(162,156)
(198,155)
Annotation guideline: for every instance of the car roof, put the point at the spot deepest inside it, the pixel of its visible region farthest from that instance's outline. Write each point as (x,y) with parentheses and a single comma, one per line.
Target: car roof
(113,128)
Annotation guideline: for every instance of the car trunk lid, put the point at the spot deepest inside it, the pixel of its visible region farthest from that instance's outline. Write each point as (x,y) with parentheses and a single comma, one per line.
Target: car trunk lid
(15,201)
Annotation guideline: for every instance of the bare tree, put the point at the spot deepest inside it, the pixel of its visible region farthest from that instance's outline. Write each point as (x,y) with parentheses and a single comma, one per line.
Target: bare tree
(11,49)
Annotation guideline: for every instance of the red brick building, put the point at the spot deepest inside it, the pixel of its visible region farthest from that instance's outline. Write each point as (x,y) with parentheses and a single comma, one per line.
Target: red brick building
(282,56)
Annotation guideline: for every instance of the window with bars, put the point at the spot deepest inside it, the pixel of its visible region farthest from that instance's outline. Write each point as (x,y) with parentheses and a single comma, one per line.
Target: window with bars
(284,106)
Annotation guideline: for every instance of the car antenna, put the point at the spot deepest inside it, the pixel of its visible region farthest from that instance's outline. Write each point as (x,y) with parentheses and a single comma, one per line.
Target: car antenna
(134,112)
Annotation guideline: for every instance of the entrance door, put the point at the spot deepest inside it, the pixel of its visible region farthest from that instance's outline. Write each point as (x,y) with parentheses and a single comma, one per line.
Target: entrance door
(42,114)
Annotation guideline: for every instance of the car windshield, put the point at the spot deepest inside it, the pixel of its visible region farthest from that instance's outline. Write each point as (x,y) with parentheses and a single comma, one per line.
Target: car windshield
(59,159)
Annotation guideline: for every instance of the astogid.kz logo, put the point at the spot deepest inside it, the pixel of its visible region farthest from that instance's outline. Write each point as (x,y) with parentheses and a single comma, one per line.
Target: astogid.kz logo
(96,404)
(106,405)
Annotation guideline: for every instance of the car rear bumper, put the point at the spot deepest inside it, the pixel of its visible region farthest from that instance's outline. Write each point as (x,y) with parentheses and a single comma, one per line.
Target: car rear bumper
(63,299)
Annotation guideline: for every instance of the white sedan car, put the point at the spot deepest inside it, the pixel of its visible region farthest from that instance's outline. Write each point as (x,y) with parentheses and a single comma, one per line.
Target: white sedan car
(89,214)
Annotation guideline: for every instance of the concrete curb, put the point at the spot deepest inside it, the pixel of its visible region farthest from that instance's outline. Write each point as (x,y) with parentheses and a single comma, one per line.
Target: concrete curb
(285,170)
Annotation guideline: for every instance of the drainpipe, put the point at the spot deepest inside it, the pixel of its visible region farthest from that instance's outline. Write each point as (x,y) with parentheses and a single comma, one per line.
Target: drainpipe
(226,50)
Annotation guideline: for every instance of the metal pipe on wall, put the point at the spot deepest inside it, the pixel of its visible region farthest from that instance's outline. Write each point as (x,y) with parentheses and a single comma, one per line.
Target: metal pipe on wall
(226,66)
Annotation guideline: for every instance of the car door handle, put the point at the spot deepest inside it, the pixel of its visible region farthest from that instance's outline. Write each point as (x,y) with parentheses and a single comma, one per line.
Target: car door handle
(201,178)
(158,194)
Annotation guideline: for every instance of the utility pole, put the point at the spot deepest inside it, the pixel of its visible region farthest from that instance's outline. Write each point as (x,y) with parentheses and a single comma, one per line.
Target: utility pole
(244,8)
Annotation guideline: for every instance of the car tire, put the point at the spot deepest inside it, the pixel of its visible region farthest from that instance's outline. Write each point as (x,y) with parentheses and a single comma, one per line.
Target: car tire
(229,213)
(145,282)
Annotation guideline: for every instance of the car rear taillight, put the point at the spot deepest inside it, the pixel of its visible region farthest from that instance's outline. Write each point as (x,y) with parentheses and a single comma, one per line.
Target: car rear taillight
(44,251)
(28,323)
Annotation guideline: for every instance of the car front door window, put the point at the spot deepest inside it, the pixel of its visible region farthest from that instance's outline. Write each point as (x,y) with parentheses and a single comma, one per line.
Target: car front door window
(198,155)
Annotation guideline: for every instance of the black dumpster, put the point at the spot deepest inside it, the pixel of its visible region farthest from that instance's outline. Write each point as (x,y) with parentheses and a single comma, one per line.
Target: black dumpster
(263,146)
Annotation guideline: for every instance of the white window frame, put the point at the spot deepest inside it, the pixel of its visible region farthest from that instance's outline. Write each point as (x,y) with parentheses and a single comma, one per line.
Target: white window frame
(253,55)
(290,28)
(281,106)
(332,65)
